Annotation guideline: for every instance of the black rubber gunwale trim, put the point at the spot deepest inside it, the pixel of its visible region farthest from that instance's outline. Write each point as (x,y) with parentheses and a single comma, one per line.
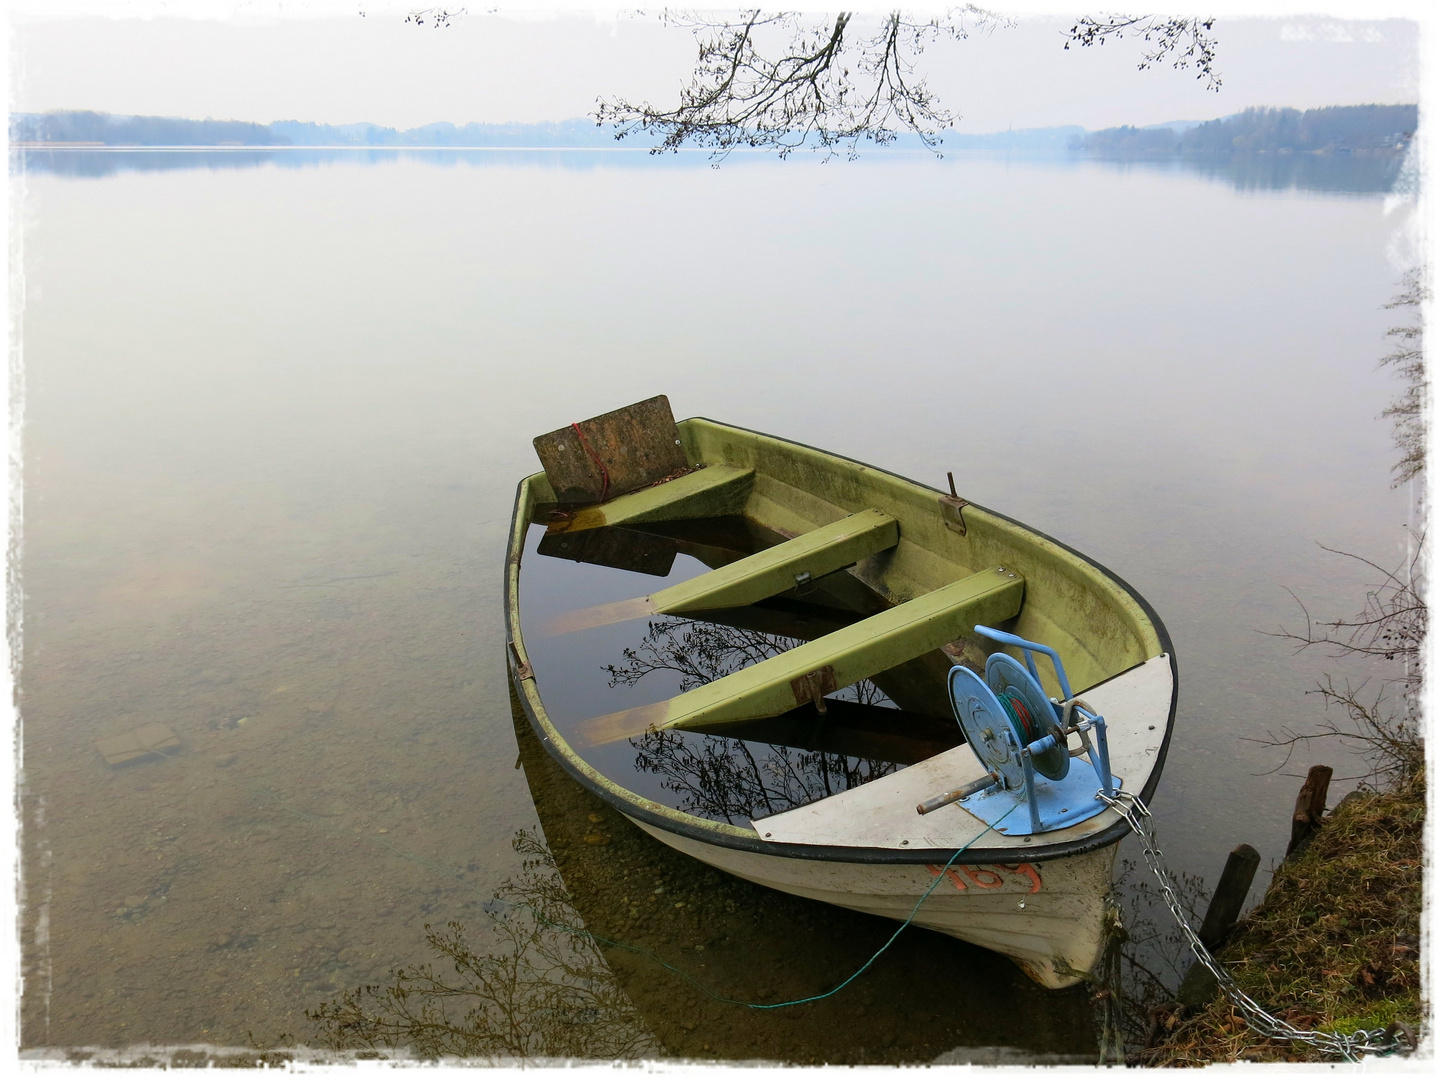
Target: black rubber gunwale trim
(1111,834)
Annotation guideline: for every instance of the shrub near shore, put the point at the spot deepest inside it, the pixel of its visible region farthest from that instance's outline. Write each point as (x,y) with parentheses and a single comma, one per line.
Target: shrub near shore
(1334,945)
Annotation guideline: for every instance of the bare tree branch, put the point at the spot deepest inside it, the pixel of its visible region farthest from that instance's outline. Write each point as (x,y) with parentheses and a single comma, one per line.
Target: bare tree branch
(438,17)
(1392,625)
(1182,42)
(1408,360)
(782,82)
(1384,727)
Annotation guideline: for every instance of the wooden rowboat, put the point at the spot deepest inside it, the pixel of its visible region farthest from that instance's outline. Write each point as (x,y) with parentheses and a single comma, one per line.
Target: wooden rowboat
(859,579)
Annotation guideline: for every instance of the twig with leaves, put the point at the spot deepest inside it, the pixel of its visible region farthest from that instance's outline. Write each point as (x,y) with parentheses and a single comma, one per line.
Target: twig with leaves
(782,82)
(438,17)
(1183,42)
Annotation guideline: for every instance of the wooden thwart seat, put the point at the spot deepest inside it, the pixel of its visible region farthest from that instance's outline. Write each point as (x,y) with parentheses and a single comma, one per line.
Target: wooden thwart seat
(755,577)
(713,491)
(838,659)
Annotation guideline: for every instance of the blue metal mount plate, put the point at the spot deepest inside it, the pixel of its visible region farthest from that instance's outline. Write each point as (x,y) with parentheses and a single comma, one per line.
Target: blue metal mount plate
(1068,801)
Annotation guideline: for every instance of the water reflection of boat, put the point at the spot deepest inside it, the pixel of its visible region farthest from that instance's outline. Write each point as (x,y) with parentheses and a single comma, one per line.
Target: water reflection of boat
(747,943)
(919,592)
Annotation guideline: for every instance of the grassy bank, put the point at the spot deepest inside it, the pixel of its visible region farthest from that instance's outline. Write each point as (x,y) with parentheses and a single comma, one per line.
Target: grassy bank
(1335,943)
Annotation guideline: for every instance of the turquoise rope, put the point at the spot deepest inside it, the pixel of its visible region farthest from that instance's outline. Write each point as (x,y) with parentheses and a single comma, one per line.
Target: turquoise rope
(799,1001)
(579,932)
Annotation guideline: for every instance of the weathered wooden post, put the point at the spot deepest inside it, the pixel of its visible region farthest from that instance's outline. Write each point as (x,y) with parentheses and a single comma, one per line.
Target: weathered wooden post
(1199,985)
(1229,898)
(1309,807)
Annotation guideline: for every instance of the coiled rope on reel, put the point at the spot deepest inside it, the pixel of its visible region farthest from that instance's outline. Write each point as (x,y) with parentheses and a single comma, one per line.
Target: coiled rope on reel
(1021,739)
(1014,706)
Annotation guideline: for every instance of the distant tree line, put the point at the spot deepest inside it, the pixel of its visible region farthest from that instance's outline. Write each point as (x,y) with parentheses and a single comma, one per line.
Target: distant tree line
(108,130)
(1364,129)
(581,132)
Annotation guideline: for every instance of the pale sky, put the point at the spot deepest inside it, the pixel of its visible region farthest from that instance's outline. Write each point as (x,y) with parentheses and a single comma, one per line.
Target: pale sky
(326,62)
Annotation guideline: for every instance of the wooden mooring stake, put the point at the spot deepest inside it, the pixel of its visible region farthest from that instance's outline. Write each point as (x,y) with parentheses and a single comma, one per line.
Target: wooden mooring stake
(1199,985)
(1309,807)
(1224,910)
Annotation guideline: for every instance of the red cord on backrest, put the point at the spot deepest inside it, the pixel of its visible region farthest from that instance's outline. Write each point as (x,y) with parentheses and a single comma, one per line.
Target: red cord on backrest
(604,472)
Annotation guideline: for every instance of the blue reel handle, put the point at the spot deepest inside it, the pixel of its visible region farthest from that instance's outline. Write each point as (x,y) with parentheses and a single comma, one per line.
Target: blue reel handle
(1028,646)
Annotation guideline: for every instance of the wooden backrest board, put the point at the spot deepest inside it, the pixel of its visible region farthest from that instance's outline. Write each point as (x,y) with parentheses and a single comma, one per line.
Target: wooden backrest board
(612,454)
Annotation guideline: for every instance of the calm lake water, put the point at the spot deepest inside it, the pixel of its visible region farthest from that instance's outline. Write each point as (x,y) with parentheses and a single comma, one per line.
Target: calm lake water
(275,411)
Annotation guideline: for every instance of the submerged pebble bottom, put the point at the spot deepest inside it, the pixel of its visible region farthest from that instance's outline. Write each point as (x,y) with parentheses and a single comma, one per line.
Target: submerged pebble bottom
(296,840)
(270,457)
(337,788)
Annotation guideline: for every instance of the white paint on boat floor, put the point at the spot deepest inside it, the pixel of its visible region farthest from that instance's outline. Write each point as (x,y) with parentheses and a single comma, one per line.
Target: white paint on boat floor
(881,814)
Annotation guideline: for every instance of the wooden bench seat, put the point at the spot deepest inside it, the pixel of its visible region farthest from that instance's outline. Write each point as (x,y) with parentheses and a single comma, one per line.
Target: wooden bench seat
(808,671)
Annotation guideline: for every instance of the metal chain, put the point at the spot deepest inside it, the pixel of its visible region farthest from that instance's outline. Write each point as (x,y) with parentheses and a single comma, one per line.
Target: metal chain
(1364,1041)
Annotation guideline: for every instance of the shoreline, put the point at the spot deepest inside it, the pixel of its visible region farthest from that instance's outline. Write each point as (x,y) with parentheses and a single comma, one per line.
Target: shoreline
(1333,946)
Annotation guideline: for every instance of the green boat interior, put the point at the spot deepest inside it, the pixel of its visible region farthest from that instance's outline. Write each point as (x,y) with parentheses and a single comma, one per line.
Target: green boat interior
(738,625)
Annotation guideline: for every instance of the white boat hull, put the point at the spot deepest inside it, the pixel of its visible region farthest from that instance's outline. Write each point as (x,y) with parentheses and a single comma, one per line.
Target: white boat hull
(1048,917)
(866,848)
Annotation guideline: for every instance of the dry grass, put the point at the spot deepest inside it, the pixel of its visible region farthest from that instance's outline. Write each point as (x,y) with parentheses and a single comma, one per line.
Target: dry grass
(1335,944)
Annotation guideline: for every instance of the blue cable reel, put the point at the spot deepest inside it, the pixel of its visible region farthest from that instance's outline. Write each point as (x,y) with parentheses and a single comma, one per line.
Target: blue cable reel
(1022,739)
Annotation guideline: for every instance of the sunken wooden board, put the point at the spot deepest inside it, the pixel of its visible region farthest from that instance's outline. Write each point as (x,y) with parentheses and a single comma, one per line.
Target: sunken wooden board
(147,741)
(623,549)
(637,446)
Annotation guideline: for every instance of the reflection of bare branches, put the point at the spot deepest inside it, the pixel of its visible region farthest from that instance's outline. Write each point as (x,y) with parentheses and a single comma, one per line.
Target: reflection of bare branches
(1184,42)
(701,652)
(549,993)
(698,652)
(1391,627)
(783,81)
(1149,963)
(1408,359)
(721,778)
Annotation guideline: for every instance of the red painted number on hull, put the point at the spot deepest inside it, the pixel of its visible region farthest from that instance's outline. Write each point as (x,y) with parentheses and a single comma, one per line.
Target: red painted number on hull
(989,879)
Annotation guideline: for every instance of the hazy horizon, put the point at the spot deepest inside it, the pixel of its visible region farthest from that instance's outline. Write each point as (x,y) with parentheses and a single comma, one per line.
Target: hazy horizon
(1195,120)
(519,68)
